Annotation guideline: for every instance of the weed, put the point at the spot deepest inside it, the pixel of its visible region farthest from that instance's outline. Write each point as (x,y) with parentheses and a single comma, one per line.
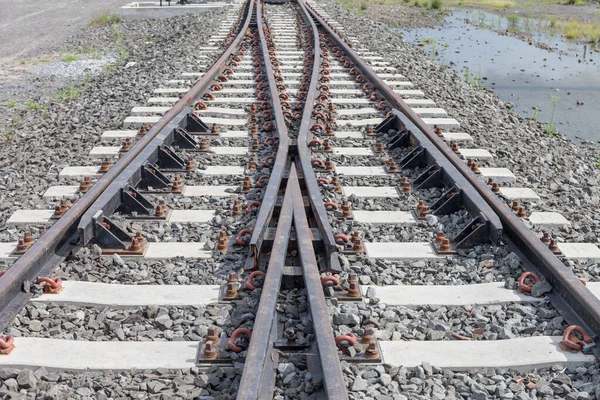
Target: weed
(435,5)
(432,51)
(363,6)
(513,20)
(581,30)
(553,21)
(67,93)
(550,128)
(69,58)
(22,62)
(473,79)
(8,132)
(574,3)
(535,113)
(32,105)
(427,40)
(105,19)
(11,104)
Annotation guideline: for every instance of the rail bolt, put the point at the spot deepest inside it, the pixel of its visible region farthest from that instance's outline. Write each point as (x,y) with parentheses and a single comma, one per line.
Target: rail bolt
(546,238)
(553,246)
(231,290)
(357,244)
(105,166)
(211,335)
(236,209)
(353,289)
(21,246)
(346,211)
(248,284)
(204,145)
(28,239)
(126,146)
(368,335)
(240,331)
(85,184)
(247,185)
(445,246)
(190,164)
(439,238)
(515,206)
(135,245)
(222,241)
(372,351)
(7,344)
(209,353)
(571,342)
(51,286)
(335,181)
(526,282)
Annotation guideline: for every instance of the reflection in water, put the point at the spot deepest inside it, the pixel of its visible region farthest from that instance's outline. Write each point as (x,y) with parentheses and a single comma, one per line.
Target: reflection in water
(535,80)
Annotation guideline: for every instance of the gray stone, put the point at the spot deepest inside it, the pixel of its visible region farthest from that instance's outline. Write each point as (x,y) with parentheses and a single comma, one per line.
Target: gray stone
(541,288)
(346,319)
(26,379)
(359,385)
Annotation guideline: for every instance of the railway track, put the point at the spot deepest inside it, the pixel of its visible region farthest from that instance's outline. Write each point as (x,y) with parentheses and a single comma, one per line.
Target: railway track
(301,221)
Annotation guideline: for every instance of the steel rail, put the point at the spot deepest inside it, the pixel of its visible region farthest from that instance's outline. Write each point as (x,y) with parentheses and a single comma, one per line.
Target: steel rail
(258,377)
(312,186)
(574,300)
(62,237)
(270,197)
(333,377)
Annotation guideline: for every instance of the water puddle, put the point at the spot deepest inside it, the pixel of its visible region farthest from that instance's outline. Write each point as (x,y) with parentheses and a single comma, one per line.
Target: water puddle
(560,88)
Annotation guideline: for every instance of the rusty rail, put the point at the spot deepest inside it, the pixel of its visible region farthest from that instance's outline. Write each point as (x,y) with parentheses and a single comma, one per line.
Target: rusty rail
(270,196)
(62,237)
(575,302)
(314,194)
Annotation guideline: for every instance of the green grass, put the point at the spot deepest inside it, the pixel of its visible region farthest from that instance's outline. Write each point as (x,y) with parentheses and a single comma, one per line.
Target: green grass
(105,19)
(70,58)
(513,20)
(68,93)
(435,5)
(473,79)
(8,132)
(493,4)
(581,31)
(32,105)
(551,128)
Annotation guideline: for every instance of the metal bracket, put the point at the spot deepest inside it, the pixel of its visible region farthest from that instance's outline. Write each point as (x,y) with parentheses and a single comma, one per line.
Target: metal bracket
(469,236)
(133,201)
(183,140)
(169,160)
(153,178)
(194,125)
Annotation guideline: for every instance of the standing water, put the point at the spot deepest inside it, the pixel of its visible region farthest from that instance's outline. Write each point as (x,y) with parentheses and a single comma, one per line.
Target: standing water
(560,88)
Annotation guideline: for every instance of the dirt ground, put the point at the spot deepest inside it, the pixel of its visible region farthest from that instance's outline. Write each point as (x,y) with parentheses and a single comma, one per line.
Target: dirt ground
(31,28)
(32,31)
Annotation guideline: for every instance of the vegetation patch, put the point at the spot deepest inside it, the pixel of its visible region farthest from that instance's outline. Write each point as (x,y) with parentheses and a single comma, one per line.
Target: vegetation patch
(105,19)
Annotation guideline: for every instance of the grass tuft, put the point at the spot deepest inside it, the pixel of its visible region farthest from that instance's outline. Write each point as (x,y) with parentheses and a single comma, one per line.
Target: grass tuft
(69,58)
(105,19)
